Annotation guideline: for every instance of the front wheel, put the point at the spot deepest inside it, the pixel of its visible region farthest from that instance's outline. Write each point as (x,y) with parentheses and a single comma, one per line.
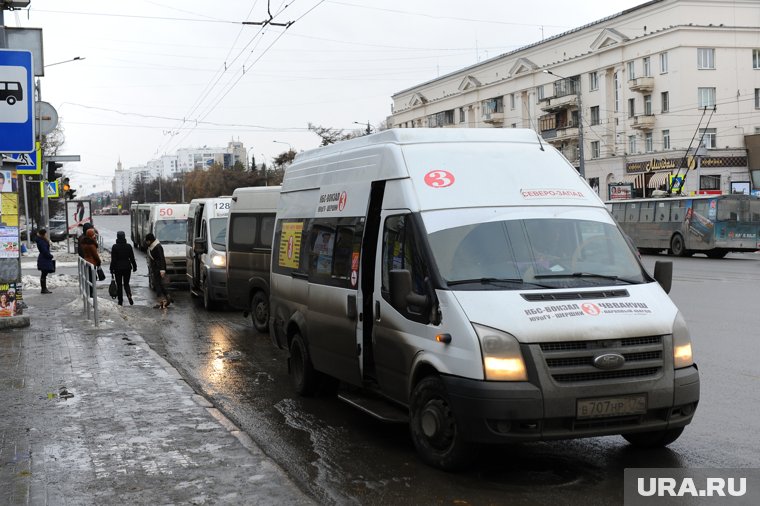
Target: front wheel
(260,312)
(434,428)
(302,374)
(11,100)
(208,302)
(656,439)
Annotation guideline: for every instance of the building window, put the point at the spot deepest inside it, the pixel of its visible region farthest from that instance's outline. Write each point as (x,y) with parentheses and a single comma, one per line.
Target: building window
(648,142)
(631,107)
(647,67)
(705,58)
(595,153)
(462,117)
(539,93)
(711,182)
(493,105)
(631,69)
(757,130)
(666,139)
(663,63)
(512,101)
(648,105)
(665,101)
(593,81)
(756,58)
(616,84)
(706,97)
(757,98)
(514,125)
(709,137)
(595,115)
(631,144)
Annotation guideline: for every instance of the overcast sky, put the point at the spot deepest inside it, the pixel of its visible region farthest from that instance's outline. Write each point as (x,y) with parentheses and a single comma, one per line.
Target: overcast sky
(159,75)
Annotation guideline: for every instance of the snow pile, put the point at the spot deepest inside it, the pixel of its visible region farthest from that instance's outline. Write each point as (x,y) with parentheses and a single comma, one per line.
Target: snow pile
(31,282)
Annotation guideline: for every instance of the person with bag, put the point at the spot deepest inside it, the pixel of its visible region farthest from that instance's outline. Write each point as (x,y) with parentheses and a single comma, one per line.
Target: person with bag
(158,270)
(122,266)
(45,261)
(88,248)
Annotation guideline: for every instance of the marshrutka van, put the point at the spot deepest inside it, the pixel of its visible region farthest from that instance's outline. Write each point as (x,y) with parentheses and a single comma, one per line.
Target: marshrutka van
(205,249)
(249,251)
(475,282)
(168,222)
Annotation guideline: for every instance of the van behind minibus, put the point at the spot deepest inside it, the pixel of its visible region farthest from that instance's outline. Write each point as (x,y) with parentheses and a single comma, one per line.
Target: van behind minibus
(205,249)
(474,281)
(168,222)
(249,251)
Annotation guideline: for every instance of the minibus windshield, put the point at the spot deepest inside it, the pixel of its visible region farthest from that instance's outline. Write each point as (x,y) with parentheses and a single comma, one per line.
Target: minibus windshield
(537,252)
(171,231)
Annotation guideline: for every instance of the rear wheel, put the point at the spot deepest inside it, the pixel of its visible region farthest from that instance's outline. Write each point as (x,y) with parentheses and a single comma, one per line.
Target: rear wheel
(11,100)
(656,439)
(260,312)
(434,428)
(677,246)
(302,374)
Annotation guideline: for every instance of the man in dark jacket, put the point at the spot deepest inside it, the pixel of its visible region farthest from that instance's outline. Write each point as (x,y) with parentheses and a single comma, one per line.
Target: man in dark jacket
(157,264)
(122,266)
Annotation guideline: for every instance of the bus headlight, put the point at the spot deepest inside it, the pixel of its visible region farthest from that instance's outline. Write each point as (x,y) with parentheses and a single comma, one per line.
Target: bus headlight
(502,358)
(218,260)
(681,344)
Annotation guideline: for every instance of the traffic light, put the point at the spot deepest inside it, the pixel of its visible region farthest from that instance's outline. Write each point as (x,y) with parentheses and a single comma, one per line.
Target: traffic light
(52,168)
(71,194)
(65,184)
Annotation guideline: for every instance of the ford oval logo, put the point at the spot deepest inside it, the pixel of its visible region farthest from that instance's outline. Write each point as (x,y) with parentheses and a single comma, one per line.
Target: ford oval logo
(609,361)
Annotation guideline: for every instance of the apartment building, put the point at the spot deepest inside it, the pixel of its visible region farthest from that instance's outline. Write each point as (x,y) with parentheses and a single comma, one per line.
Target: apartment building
(628,99)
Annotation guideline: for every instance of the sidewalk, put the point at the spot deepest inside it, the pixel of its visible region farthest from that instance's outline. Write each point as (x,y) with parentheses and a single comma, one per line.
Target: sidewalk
(94,416)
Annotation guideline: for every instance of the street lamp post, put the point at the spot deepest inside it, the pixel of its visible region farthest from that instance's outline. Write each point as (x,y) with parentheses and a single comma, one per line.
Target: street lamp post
(581,154)
(369,127)
(76,58)
(286,143)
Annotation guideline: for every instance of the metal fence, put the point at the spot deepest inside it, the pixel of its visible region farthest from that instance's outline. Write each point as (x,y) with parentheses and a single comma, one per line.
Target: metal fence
(88,280)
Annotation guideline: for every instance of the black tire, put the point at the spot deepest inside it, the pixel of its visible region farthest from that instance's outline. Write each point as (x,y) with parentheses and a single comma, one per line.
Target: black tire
(678,246)
(716,253)
(260,312)
(11,100)
(656,439)
(302,374)
(434,428)
(208,302)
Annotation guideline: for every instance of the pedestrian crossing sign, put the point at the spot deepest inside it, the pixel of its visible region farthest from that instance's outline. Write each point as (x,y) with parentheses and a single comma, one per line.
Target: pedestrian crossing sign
(49,189)
(675,183)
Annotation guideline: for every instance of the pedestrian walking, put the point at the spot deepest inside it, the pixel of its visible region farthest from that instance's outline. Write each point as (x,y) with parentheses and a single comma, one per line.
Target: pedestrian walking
(122,266)
(45,262)
(157,264)
(88,249)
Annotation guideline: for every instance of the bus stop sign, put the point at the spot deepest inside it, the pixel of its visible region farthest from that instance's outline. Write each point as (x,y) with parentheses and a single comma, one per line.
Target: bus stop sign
(16,102)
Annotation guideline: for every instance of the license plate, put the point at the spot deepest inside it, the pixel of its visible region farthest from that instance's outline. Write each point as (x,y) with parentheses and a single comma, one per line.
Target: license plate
(605,407)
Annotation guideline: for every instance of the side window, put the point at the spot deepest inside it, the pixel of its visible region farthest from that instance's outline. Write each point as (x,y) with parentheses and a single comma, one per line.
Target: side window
(334,245)
(204,232)
(243,229)
(632,213)
(663,212)
(401,251)
(267,230)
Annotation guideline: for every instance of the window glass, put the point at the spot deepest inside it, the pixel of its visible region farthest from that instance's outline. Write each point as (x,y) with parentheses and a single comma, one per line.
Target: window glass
(171,231)
(218,231)
(662,212)
(401,251)
(267,229)
(243,228)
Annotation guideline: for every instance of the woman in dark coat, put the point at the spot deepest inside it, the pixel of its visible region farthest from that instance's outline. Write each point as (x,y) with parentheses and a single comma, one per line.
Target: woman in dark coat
(122,266)
(44,259)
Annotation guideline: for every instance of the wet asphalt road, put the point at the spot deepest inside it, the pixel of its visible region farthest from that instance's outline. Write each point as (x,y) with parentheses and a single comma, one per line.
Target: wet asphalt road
(340,456)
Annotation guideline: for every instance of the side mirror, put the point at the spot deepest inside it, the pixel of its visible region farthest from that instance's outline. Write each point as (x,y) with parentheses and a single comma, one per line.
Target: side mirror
(199,246)
(402,295)
(663,273)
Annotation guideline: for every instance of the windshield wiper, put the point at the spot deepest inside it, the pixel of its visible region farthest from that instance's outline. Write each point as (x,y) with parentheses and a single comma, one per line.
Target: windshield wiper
(491,281)
(586,275)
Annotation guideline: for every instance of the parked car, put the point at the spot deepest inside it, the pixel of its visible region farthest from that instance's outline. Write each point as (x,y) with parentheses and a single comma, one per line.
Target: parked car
(57,230)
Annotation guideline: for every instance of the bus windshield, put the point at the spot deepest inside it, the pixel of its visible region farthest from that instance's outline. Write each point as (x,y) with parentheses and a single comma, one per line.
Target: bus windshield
(171,231)
(533,253)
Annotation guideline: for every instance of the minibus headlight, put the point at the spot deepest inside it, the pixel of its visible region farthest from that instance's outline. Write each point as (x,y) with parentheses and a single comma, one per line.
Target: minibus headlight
(681,344)
(218,260)
(502,358)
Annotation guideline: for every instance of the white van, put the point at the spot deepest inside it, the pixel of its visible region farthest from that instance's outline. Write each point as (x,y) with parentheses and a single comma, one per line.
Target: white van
(205,249)
(249,251)
(473,279)
(168,222)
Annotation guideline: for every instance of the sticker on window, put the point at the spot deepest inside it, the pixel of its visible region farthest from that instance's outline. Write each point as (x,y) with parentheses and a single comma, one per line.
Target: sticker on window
(290,245)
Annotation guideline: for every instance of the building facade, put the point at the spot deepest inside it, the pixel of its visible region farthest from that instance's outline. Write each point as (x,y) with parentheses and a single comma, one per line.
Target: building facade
(668,89)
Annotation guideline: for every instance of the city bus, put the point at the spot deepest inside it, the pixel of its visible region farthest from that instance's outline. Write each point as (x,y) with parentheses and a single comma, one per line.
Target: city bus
(711,224)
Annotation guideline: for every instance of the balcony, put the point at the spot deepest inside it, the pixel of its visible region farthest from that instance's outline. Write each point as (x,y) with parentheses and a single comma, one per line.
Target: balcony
(641,84)
(493,118)
(557,104)
(643,122)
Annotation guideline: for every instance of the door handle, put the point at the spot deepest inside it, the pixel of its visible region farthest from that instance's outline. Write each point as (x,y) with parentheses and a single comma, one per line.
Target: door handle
(377,310)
